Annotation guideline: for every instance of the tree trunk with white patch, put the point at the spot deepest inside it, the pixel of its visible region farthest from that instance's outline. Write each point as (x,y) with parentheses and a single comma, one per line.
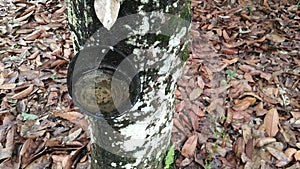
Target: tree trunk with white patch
(145,45)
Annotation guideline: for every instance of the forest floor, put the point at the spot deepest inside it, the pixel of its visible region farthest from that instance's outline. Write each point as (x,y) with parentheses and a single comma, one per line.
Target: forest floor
(238,100)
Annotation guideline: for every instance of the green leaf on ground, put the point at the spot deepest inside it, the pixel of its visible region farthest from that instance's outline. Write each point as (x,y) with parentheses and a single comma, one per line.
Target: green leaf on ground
(27,116)
(170,157)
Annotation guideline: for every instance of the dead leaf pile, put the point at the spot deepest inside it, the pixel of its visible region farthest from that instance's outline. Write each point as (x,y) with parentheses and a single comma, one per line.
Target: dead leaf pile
(39,127)
(239,93)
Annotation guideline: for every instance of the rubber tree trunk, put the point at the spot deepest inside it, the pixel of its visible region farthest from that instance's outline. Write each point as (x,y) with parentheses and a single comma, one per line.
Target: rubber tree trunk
(124,78)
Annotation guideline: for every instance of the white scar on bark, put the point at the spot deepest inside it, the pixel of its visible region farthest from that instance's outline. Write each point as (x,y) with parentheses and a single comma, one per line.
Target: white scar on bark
(107,11)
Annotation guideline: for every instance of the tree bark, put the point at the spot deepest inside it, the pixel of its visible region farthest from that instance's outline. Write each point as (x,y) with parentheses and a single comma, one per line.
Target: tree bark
(143,50)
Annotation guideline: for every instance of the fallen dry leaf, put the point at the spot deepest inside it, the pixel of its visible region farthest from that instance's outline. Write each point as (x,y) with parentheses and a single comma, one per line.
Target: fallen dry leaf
(264,141)
(6,152)
(72,136)
(73,117)
(186,162)
(249,148)
(10,137)
(229,51)
(34,55)
(8,86)
(195,93)
(34,35)
(24,31)
(244,104)
(271,122)
(230,62)
(275,38)
(39,19)
(297,155)
(7,165)
(200,82)
(23,93)
(40,163)
(67,162)
(295,166)
(239,147)
(289,152)
(189,146)
(22,18)
(278,154)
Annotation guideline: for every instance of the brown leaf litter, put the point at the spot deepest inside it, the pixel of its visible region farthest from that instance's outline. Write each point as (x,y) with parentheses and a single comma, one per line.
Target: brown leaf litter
(245,59)
(38,124)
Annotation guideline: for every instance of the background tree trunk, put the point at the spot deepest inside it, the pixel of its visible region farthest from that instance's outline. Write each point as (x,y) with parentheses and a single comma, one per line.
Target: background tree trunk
(138,136)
